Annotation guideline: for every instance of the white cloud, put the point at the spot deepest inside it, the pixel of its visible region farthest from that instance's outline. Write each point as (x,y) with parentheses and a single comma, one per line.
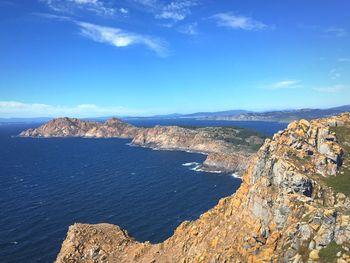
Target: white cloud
(84,1)
(332,89)
(286,84)
(336,31)
(176,10)
(70,6)
(280,85)
(343,59)
(123,10)
(189,29)
(239,22)
(10,109)
(334,73)
(120,38)
(114,36)
(177,16)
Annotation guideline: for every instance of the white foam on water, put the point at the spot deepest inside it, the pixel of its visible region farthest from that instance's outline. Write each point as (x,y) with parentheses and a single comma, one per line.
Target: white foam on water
(198,168)
(236,176)
(190,164)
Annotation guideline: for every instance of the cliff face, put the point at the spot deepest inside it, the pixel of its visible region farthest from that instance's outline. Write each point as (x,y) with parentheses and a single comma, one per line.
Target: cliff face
(228,149)
(291,207)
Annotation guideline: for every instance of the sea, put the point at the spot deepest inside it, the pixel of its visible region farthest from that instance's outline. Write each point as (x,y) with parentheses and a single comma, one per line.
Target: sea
(48,184)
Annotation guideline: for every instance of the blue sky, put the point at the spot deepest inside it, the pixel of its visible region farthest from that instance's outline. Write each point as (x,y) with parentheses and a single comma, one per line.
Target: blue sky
(142,57)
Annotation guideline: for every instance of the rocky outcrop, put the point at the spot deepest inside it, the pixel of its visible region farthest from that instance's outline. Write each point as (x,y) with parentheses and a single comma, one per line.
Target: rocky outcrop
(228,149)
(286,210)
(178,138)
(229,162)
(71,127)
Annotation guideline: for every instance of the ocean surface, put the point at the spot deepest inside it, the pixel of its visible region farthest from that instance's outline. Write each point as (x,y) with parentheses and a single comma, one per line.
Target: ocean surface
(48,184)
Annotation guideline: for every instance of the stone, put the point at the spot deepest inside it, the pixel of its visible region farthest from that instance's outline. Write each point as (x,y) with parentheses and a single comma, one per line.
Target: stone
(314,255)
(312,244)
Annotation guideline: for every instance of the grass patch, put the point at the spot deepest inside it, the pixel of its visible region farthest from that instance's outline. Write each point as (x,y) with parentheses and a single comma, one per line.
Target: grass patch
(329,253)
(341,182)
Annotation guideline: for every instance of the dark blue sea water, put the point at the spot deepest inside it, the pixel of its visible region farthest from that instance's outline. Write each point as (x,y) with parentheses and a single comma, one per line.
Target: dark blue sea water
(48,184)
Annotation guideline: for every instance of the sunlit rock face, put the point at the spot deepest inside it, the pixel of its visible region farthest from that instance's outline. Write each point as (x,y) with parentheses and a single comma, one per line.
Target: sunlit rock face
(292,206)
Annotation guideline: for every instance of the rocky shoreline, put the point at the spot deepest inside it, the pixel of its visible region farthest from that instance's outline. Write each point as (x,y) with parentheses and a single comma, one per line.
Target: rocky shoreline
(292,206)
(227,149)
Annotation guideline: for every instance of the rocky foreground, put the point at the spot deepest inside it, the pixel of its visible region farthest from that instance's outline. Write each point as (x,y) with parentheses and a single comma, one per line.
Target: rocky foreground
(293,206)
(227,149)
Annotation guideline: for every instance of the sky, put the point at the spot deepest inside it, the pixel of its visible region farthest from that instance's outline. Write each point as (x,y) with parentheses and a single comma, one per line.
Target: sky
(89,58)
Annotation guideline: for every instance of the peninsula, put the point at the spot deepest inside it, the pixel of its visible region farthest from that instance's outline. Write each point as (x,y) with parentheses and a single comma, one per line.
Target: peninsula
(227,149)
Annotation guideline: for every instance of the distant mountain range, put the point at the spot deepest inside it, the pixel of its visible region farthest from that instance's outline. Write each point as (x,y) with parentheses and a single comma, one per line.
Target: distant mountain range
(282,116)
(195,115)
(25,120)
(229,115)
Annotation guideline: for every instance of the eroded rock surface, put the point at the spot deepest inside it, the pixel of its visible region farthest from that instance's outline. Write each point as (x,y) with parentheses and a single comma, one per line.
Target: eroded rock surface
(284,211)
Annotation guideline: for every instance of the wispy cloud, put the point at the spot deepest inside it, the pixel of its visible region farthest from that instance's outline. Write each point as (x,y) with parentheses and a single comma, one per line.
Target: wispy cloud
(189,29)
(332,89)
(334,73)
(239,22)
(330,31)
(286,84)
(123,10)
(121,38)
(336,31)
(98,7)
(115,36)
(19,109)
(176,10)
(280,85)
(343,59)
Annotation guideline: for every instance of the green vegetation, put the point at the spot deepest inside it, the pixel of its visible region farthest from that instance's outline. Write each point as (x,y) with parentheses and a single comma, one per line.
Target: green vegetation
(234,135)
(329,253)
(341,182)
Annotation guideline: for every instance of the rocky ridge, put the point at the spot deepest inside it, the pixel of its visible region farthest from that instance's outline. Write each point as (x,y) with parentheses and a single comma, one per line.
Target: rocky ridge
(227,149)
(72,127)
(286,210)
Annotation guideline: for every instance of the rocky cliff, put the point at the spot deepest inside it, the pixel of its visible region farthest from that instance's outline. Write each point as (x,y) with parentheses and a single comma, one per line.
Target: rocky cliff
(228,149)
(293,206)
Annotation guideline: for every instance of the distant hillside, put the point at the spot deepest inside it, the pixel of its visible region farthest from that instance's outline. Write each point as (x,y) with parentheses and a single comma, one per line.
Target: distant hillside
(229,115)
(25,120)
(282,116)
(192,115)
